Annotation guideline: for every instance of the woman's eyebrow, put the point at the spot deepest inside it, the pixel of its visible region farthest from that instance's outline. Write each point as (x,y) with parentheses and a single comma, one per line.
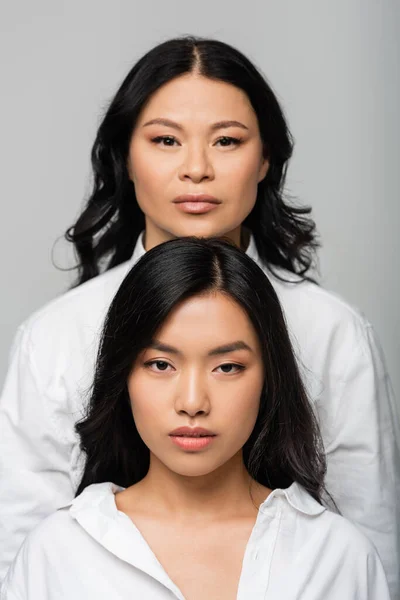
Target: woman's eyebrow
(157,345)
(165,122)
(214,127)
(226,124)
(226,348)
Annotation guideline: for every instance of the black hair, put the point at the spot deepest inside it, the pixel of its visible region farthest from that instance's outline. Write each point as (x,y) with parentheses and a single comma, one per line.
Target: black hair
(106,232)
(285,445)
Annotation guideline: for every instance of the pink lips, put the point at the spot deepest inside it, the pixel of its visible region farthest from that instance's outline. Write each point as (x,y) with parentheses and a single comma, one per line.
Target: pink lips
(196,203)
(192,438)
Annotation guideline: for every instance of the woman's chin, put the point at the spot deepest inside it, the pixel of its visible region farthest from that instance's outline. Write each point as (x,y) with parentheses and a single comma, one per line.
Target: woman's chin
(201,469)
(205,228)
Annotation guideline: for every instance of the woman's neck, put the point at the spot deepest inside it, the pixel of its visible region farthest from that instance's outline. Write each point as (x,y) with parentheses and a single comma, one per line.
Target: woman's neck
(153,236)
(227,492)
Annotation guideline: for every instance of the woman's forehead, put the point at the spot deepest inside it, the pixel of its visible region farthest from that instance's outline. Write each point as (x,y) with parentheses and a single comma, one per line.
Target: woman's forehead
(195,98)
(207,321)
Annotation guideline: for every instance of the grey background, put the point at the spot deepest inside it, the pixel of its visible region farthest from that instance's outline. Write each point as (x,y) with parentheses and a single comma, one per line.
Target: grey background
(334,66)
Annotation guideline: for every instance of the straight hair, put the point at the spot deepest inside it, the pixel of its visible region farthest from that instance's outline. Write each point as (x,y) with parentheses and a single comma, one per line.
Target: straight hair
(285,444)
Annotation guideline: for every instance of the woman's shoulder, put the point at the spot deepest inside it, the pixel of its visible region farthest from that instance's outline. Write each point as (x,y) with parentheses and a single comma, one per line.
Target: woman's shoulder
(304,297)
(55,533)
(58,552)
(319,318)
(332,542)
(72,321)
(325,550)
(79,303)
(352,557)
(345,536)
(37,555)
(48,545)
(311,297)
(322,525)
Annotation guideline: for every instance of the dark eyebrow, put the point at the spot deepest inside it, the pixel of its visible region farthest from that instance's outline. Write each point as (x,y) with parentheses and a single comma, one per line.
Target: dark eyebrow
(239,345)
(226,124)
(225,349)
(156,345)
(214,127)
(165,122)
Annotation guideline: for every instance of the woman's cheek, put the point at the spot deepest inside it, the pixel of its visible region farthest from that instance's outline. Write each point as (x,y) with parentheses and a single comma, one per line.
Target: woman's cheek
(245,404)
(151,397)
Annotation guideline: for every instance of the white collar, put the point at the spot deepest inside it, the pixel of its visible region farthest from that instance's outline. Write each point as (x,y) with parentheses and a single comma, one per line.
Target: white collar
(139,250)
(96,512)
(299,499)
(100,496)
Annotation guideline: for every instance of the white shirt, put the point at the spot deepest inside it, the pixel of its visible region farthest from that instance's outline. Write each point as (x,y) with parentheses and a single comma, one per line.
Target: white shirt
(297,550)
(51,369)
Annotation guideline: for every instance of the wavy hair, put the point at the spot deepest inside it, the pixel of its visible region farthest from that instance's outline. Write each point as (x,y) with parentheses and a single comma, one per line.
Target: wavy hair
(106,232)
(285,444)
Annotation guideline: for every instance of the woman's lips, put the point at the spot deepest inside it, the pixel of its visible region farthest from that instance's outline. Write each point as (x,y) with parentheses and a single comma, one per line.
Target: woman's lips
(192,438)
(196,204)
(192,443)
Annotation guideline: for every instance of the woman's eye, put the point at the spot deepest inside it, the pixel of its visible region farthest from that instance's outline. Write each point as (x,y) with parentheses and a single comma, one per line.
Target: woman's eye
(158,366)
(165,140)
(228,141)
(229,368)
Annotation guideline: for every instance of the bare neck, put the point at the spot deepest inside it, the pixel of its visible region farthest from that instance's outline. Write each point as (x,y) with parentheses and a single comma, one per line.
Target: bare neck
(226,492)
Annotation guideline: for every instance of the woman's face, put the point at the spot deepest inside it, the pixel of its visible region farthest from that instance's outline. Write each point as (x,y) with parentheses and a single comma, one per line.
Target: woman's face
(203,370)
(196,159)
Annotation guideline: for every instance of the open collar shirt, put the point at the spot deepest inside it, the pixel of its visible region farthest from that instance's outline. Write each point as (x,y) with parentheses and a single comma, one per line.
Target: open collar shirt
(297,550)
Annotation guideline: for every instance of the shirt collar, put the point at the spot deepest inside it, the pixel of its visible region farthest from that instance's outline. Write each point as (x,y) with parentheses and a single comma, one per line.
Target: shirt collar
(100,496)
(97,513)
(298,499)
(251,250)
(139,250)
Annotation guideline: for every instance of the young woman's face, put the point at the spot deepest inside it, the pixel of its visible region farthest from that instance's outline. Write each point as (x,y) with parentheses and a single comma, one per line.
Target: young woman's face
(196,159)
(205,371)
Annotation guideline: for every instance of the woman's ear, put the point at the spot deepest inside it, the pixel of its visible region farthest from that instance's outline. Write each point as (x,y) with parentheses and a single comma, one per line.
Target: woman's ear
(264,167)
(129,164)
(129,169)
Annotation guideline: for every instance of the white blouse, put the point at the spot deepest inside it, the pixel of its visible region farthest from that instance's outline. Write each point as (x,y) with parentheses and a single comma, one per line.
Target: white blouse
(297,550)
(51,370)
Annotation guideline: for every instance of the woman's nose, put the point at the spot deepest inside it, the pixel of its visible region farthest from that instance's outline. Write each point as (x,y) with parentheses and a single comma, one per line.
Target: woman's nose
(192,396)
(197,165)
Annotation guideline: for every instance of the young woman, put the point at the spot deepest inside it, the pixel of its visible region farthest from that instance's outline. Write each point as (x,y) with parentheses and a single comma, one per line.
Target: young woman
(221,463)
(195,143)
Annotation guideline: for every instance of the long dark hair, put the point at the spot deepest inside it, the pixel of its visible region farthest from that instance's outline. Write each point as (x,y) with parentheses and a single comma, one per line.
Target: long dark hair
(285,445)
(109,226)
